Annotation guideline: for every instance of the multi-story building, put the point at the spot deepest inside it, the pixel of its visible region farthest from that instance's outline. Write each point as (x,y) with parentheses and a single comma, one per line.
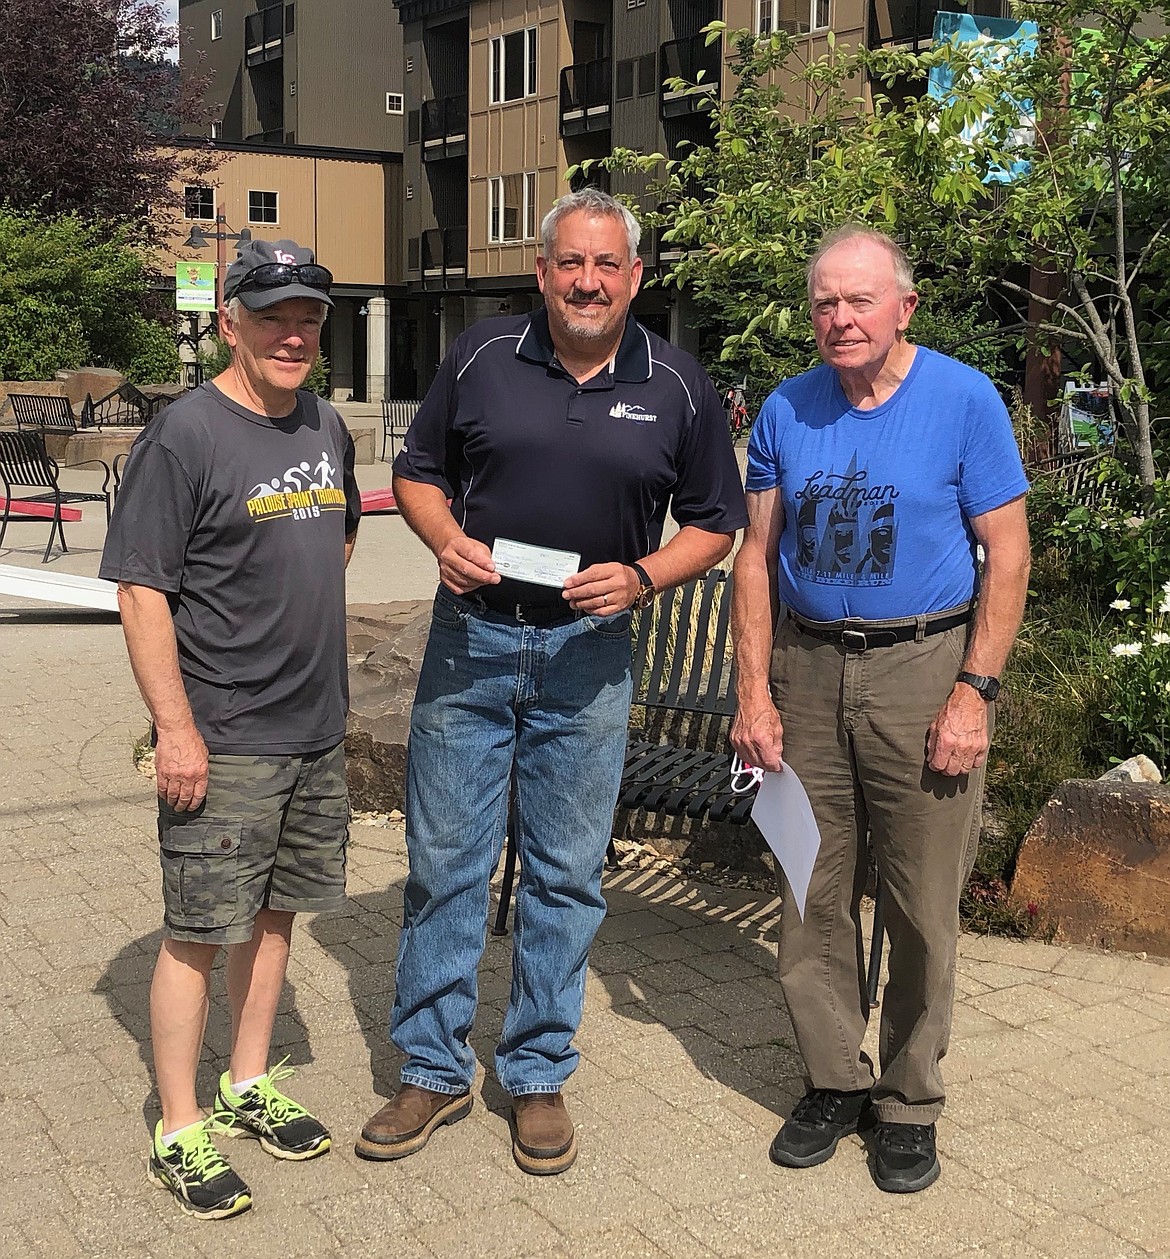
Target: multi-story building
(490,103)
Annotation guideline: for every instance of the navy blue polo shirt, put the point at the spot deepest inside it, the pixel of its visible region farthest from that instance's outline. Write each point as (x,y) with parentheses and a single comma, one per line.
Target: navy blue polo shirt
(525,452)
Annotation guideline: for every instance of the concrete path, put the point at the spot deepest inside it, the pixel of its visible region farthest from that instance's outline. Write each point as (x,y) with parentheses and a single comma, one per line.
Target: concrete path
(1055,1141)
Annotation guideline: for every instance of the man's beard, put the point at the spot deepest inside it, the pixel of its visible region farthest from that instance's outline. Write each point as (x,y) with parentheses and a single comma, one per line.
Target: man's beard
(580,327)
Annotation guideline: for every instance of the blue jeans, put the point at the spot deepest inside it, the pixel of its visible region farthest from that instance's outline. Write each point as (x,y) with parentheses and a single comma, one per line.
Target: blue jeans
(549,708)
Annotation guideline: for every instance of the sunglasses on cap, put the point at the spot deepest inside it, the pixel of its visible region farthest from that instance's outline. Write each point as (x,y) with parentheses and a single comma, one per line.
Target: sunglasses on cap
(275,275)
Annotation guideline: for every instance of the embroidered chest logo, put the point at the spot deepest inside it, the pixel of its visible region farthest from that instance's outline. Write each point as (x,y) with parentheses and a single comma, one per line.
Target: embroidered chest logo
(302,492)
(630,411)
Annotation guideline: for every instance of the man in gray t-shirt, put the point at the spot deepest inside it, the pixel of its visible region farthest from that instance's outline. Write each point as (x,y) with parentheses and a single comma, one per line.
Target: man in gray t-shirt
(237,515)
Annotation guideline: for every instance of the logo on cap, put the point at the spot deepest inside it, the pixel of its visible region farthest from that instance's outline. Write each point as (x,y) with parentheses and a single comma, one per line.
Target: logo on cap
(281,256)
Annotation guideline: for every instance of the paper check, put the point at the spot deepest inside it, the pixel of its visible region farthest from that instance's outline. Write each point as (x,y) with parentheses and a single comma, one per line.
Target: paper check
(540,565)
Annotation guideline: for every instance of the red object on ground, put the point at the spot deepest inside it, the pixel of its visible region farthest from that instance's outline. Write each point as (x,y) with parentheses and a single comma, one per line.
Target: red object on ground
(43,510)
(378,500)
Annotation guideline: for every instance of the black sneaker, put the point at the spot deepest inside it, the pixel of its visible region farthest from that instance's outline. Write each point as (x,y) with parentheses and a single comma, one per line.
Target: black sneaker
(905,1159)
(197,1174)
(283,1127)
(819,1120)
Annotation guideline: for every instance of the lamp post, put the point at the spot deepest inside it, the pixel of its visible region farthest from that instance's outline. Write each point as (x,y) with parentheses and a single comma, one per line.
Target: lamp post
(199,239)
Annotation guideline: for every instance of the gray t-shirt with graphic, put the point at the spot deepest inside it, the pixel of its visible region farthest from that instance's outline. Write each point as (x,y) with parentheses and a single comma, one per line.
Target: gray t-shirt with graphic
(241,520)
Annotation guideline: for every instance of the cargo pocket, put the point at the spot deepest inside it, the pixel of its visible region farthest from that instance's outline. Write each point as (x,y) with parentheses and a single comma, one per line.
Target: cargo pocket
(200,868)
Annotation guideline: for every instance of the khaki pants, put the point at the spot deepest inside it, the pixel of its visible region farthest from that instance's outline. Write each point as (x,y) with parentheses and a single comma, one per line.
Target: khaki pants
(855,726)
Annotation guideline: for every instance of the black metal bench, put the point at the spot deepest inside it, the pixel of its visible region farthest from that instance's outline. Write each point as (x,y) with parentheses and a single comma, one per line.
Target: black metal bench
(684,674)
(124,407)
(44,413)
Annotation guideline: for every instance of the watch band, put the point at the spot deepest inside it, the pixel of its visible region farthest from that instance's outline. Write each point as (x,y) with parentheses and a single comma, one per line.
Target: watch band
(988,687)
(645,595)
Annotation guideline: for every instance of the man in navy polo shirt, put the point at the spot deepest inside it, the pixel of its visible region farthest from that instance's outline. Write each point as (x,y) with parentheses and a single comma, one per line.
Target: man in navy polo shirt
(550,445)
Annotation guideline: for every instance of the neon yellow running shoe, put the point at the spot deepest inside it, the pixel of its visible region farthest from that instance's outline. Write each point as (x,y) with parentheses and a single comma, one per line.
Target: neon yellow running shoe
(197,1174)
(283,1127)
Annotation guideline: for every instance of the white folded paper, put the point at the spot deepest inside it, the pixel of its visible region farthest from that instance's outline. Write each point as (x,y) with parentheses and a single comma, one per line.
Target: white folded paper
(785,818)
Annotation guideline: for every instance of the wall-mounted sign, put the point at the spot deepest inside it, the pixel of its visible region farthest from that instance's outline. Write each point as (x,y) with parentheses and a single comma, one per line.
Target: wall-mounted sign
(194,285)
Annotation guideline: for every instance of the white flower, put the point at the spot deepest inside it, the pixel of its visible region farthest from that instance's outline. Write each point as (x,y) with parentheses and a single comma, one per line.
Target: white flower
(1121,605)
(1164,606)
(1126,649)
(1160,638)
(1166,587)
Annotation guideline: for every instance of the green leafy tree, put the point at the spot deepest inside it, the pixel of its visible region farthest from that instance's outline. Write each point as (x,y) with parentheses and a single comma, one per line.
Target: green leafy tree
(855,136)
(86,90)
(73,296)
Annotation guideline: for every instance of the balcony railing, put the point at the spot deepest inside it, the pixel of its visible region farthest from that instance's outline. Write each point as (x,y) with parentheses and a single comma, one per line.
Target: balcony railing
(273,136)
(585,97)
(694,61)
(444,128)
(444,256)
(264,35)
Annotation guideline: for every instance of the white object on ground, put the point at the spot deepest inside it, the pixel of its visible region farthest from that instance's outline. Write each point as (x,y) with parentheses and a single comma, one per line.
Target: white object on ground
(785,818)
(78,592)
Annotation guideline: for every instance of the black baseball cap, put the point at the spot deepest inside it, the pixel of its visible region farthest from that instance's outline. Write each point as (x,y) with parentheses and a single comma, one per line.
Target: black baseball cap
(261,253)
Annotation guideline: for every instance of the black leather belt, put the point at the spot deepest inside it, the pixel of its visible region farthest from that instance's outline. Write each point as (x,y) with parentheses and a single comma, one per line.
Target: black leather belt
(539,614)
(862,635)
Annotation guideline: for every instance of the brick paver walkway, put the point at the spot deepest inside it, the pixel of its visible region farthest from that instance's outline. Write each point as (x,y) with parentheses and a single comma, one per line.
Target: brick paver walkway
(1054,1143)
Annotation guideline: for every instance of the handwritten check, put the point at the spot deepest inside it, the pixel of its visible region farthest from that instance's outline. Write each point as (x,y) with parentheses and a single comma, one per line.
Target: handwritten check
(540,565)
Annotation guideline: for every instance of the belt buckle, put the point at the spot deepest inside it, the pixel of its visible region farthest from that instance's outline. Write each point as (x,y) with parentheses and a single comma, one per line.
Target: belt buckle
(854,640)
(519,614)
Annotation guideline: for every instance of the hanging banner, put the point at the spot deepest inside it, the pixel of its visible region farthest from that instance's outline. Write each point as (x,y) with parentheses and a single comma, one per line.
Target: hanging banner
(194,285)
(997,41)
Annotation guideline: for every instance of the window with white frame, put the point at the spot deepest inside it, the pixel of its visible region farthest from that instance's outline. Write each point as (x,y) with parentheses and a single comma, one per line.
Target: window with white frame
(512,207)
(765,17)
(262,207)
(818,14)
(217,24)
(217,130)
(199,203)
(513,66)
(394,103)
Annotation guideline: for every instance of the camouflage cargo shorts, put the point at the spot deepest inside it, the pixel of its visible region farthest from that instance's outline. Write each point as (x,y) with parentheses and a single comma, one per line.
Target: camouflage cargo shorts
(271,834)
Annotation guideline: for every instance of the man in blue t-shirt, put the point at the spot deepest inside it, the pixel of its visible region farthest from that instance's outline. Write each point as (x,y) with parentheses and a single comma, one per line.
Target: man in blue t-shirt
(871,481)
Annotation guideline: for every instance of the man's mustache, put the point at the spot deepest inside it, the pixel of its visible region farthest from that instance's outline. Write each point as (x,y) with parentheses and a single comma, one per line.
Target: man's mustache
(577,296)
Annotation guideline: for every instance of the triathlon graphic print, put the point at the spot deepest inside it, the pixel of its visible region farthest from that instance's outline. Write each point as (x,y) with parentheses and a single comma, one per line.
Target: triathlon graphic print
(303,492)
(846,529)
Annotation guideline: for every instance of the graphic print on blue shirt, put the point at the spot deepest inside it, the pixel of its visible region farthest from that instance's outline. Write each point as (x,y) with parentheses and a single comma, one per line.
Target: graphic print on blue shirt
(878,502)
(846,529)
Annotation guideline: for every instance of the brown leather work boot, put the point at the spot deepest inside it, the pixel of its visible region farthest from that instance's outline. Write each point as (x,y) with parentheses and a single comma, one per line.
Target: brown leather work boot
(404,1125)
(543,1140)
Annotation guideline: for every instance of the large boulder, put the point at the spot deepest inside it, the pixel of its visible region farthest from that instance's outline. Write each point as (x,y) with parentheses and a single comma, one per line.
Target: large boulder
(385,643)
(1096,865)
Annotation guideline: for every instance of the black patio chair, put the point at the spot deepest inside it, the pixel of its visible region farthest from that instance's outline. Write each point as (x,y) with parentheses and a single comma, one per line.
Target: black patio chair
(397,414)
(24,463)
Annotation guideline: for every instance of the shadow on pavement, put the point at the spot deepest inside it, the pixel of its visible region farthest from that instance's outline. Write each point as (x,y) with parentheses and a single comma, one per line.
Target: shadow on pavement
(125,984)
(674,958)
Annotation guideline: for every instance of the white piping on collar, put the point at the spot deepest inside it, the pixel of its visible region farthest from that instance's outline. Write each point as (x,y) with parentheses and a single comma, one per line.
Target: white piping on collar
(506,337)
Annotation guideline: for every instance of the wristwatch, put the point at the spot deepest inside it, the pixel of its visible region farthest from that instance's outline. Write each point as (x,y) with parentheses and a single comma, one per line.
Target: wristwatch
(987,687)
(645,596)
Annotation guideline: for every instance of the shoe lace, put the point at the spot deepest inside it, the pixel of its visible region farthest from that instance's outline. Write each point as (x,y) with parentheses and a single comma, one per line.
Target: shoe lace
(816,1106)
(282,1109)
(911,1137)
(199,1155)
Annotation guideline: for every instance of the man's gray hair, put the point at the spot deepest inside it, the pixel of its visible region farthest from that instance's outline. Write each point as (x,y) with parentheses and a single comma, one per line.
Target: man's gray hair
(234,306)
(592,201)
(903,270)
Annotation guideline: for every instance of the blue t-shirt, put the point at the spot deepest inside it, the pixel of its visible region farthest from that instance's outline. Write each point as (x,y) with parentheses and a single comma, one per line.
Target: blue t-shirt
(877,503)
